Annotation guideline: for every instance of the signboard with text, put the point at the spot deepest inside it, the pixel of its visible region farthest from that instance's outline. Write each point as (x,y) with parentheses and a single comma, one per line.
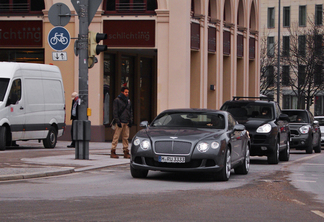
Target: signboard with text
(129,33)
(21,33)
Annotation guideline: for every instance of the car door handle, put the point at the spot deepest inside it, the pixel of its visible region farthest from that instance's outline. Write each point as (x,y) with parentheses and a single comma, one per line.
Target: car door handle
(21,108)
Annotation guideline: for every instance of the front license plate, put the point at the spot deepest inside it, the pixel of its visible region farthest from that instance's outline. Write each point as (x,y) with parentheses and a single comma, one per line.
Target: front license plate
(171,159)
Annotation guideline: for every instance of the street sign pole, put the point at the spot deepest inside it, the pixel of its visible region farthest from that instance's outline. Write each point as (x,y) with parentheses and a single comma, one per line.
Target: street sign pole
(82,132)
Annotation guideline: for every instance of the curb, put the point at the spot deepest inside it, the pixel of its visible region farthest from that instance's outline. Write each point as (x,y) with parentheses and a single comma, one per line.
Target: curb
(36,175)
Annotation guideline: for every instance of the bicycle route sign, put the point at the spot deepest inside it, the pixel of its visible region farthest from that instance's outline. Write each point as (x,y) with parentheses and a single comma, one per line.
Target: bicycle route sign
(59,38)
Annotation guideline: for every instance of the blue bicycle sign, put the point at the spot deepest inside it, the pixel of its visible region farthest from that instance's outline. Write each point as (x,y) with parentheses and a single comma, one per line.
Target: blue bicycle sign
(59,38)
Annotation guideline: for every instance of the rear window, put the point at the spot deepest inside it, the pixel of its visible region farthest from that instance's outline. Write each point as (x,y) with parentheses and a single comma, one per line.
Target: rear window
(249,110)
(3,88)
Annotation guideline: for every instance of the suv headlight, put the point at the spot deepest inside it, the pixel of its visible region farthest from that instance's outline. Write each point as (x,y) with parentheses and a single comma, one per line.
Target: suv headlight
(304,129)
(266,128)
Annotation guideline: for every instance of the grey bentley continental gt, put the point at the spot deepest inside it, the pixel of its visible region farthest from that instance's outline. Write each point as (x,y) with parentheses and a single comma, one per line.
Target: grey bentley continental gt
(196,140)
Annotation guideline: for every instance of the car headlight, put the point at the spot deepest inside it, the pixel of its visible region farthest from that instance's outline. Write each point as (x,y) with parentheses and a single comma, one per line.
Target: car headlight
(145,144)
(304,129)
(137,142)
(266,128)
(214,145)
(203,147)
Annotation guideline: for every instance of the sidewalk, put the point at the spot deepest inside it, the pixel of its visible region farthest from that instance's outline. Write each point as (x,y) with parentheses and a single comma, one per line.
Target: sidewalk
(57,161)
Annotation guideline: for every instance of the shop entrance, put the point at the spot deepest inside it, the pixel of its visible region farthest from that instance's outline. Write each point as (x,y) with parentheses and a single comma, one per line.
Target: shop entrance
(135,69)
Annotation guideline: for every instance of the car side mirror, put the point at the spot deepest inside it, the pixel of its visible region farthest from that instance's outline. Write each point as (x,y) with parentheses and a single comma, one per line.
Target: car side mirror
(316,122)
(239,127)
(144,124)
(284,117)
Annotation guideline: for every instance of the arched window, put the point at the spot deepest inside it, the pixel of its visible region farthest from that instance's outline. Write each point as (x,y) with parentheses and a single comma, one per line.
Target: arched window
(21,6)
(253,25)
(130,6)
(227,12)
(240,14)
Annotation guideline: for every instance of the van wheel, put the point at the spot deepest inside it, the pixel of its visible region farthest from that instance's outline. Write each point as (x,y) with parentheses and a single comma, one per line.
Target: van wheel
(51,138)
(3,138)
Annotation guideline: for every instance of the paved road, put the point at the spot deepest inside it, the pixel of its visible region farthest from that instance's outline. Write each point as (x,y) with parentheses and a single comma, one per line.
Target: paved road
(267,193)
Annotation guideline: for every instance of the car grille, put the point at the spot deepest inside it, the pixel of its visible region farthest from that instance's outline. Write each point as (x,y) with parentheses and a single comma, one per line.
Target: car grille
(172,147)
(294,133)
(258,139)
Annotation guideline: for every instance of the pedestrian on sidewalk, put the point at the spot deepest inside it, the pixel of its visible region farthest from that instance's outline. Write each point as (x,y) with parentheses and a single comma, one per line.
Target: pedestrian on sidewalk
(74,115)
(123,118)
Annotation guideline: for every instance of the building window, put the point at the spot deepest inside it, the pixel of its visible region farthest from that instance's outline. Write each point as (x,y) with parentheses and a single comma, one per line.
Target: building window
(285,45)
(21,6)
(302,15)
(318,75)
(302,45)
(318,44)
(270,46)
(286,16)
(285,75)
(130,6)
(270,76)
(318,14)
(271,18)
(301,75)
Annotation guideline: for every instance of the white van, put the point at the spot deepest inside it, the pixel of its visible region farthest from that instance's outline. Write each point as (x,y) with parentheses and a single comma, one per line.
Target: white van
(32,103)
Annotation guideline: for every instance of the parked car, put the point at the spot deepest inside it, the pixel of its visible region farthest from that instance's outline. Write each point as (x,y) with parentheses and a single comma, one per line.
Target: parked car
(320,120)
(196,140)
(267,126)
(305,131)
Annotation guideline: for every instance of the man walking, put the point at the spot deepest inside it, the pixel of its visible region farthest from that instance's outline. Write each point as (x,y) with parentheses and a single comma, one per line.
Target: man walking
(123,118)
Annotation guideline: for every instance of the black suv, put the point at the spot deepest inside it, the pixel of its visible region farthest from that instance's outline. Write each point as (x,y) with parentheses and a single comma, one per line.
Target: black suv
(267,126)
(305,131)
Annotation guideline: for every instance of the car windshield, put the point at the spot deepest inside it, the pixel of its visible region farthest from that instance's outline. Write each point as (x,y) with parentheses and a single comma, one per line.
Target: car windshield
(320,120)
(185,119)
(3,87)
(296,116)
(249,110)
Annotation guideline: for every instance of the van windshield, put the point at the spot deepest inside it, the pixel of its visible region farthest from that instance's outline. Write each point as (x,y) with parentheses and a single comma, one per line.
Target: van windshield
(3,87)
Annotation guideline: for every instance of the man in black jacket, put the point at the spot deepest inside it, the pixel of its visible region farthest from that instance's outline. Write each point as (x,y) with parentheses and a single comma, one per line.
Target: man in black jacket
(123,118)
(74,115)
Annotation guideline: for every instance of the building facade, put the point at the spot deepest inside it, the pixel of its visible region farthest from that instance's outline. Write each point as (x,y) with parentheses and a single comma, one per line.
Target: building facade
(171,54)
(298,18)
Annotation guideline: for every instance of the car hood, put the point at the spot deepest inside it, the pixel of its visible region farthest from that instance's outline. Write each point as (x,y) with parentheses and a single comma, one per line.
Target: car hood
(253,123)
(188,134)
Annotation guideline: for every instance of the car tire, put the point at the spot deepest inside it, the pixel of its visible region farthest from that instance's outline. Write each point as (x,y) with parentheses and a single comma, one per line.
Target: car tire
(245,166)
(51,139)
(318,148)
(225,172)
(3,138)
(273,158)
(309,148)
(285,154)
(138,173)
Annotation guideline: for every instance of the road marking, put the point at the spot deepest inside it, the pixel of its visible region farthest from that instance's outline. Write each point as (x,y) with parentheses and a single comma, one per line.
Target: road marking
(298,202)
(319,213)
(314,164)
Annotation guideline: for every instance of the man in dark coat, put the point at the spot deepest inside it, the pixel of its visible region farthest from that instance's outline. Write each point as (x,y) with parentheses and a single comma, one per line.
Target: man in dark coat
(123,118)
(74,115)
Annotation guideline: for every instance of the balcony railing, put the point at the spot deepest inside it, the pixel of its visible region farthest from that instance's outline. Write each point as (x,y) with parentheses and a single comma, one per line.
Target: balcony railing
(134,7)
(17,7)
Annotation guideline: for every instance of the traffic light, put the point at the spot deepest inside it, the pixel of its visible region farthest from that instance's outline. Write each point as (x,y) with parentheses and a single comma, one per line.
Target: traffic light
(93,48)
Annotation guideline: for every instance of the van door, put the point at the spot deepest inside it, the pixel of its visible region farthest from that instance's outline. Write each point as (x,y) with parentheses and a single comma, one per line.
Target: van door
(15,106)
(35,127)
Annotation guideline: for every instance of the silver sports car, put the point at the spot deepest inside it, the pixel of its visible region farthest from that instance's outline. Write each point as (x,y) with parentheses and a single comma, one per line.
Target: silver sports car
(197,140)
